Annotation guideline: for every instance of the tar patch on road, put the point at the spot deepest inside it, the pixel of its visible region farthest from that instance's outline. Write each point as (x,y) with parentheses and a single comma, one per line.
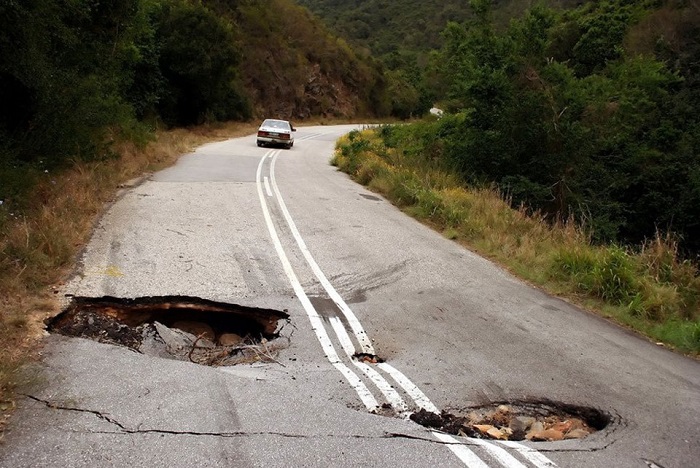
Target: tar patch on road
(178,327)
(538,421)
(367,358)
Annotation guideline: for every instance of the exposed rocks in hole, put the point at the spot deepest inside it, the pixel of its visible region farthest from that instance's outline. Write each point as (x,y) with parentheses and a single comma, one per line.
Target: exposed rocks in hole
(536,421)
(200,350)
(196,328)
(184,328)
(230,339)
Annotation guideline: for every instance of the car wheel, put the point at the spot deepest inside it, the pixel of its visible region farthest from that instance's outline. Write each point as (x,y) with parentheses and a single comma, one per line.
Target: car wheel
(260,143)
(289,146)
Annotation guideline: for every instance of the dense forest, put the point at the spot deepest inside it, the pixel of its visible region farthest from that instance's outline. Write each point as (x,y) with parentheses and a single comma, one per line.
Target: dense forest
(75,75)
(390,29)
(403,34)
(591,113)
(588,112)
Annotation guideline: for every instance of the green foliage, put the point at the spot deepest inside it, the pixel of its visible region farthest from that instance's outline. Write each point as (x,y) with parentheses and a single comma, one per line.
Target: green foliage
(564,122)
(403,34)
(60,72)
(610,276)
(405,99)
(198,57)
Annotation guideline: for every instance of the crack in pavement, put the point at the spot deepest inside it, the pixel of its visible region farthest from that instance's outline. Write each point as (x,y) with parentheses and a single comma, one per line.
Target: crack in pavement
(123,430)
(100,415)
(572,450)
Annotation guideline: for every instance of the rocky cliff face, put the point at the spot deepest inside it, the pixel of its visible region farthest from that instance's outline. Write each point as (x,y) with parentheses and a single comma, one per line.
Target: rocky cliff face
(292,67)
(307,92)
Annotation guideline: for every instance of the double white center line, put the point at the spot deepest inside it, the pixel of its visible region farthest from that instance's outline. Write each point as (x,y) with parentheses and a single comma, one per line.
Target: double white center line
(464,453)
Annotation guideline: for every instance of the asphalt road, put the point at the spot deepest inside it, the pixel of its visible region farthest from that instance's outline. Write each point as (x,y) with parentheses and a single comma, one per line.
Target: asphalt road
(282,229)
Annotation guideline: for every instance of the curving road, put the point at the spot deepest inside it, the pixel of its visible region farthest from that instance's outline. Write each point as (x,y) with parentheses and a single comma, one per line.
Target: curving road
(282,229)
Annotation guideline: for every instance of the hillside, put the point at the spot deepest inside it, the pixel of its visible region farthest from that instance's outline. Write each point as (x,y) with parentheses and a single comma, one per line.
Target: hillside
(294,67)
(393,29)
(403,35)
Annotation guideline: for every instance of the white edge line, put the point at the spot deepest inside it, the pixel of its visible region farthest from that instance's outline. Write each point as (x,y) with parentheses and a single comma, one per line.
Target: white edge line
(316,324)
(357,329)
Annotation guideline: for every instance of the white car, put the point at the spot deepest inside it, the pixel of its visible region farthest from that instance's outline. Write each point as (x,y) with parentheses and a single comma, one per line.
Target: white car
(276,132)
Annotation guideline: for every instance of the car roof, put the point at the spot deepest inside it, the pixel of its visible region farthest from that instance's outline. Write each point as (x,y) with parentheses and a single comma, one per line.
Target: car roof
(275,122)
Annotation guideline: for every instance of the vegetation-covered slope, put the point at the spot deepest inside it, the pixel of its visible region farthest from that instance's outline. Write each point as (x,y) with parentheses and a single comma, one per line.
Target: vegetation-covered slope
(589,113)
(292,66)
(75,75)
(394,29)
(403,34)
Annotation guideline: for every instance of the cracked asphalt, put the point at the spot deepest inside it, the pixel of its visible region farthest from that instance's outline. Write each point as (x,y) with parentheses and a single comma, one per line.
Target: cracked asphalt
(460,328)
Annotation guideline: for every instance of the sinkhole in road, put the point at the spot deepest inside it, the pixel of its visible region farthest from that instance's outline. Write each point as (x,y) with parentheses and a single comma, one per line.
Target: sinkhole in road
(177,327)
(534,420)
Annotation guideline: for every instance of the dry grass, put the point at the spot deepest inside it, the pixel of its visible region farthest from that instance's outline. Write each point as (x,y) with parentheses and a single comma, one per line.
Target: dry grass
(38,248)
(649,289)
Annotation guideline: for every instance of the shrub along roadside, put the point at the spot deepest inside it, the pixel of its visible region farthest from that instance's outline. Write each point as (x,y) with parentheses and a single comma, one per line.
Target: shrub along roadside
(39,246)
(649,289)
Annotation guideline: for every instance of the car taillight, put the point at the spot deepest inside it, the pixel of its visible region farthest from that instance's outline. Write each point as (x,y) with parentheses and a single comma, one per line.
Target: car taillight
(285,136)
(262,134)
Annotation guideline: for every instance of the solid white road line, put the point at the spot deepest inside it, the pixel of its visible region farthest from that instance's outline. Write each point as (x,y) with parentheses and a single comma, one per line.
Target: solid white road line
(467,457)
(532,455)
(355,325)
(316,323)
(343,336)
(267,187)
(392,396)
(503,457)
(410,388)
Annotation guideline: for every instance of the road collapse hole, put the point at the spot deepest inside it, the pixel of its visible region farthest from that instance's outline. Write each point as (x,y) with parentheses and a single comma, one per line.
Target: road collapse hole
(536,420)
(178,327)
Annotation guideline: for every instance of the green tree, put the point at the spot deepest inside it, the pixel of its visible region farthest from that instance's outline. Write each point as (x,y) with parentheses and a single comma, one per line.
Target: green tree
(198,58)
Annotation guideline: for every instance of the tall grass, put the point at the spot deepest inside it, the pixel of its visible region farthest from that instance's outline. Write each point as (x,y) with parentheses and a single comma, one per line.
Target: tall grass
(39,244)
(648,288)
